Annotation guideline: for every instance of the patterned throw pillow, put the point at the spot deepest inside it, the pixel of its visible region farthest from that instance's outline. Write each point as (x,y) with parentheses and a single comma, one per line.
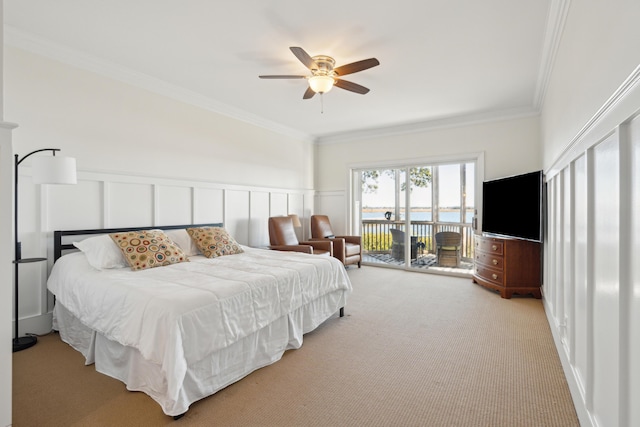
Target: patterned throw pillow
(214,241)
(148,248)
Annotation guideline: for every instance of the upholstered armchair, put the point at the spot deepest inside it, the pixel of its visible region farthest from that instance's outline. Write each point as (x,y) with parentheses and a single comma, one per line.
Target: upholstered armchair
(347,249)
(282,237)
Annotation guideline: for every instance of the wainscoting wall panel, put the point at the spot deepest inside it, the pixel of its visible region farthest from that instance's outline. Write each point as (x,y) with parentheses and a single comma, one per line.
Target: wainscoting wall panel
(296,204)
(606,310)
(278,204)
(129,204)
(236,214)
(102,200)
(631,298)
(592,279)
(174,204)
(335,204)
(208,205)
(258,225)
(71,206)
(567,261)
(582,294)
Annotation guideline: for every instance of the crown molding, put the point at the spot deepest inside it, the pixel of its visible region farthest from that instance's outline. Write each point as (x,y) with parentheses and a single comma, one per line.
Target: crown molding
(558,11)
(556,18)
(620,108)
(40,46)
(428,125)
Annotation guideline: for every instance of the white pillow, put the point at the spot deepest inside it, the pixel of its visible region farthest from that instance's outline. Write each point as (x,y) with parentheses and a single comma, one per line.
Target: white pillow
(102,252)
(181,238)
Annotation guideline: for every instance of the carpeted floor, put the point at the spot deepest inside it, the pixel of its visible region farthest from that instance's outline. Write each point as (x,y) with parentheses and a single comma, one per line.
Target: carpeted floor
(414,349)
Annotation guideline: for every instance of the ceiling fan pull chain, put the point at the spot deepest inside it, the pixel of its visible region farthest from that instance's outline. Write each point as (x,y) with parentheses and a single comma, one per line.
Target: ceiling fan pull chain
(321,103)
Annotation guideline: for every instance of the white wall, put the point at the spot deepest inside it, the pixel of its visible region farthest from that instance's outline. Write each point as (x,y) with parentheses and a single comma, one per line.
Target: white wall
(6,248)
(6,270)
(114,127)
(143,159)
(591,141)
(599,49)
(510,146)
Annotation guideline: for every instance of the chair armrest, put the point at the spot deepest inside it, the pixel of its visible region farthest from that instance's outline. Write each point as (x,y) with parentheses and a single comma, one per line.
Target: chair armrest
(356,240)
(338,246)
(323,244)
(307,249)
(338,242)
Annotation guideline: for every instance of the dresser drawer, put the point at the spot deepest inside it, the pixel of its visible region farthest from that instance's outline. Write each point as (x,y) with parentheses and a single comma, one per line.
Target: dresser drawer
(509,266)
(490,260)
(490,275)
(487,244)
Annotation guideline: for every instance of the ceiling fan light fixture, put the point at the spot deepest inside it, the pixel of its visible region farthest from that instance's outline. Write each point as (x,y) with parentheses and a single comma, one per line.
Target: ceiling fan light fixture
(321,84)
(324,75)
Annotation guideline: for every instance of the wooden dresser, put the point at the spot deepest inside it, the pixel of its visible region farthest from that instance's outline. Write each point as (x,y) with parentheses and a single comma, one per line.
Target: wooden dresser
(510,266)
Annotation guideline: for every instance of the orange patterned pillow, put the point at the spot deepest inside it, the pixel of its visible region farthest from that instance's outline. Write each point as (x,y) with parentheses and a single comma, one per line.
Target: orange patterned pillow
(148,248)
(214,241)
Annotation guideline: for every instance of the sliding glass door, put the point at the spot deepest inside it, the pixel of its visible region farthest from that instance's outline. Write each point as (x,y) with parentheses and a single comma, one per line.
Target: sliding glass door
(401,209)
(383,214)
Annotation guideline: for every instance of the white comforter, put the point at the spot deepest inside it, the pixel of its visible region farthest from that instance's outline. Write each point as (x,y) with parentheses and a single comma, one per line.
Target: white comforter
(177,315)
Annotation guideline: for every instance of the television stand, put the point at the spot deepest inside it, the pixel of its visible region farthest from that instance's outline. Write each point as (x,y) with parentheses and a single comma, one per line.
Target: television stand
(509,266)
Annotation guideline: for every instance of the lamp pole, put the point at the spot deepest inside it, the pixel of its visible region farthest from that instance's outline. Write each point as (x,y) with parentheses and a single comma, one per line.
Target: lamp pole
(21,343)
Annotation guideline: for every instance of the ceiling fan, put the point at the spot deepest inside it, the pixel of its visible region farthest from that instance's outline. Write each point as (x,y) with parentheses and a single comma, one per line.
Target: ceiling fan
(323,74)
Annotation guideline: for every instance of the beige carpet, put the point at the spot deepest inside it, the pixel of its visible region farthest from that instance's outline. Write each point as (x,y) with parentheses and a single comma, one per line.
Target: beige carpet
(414,349)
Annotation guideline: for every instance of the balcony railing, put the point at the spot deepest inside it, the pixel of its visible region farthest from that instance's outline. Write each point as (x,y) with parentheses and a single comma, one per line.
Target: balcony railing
(376,235)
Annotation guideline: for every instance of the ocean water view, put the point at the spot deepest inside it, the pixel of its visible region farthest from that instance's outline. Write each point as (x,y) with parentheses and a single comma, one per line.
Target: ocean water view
(422,215)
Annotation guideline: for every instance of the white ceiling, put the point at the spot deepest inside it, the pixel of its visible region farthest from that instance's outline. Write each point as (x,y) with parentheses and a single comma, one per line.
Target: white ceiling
(441,61)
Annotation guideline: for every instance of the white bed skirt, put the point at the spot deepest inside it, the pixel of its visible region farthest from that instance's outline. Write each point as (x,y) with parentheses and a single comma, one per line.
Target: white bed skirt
(204,377)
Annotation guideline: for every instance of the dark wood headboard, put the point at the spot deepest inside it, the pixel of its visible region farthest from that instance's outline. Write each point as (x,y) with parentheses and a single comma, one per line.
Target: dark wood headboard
(58,236)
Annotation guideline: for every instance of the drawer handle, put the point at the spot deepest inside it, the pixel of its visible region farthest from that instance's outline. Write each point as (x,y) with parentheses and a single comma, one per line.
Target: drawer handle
(494,247)
(495,262)
(495,276)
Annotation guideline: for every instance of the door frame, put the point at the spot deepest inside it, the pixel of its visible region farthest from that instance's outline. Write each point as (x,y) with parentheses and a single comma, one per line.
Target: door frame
(354,198)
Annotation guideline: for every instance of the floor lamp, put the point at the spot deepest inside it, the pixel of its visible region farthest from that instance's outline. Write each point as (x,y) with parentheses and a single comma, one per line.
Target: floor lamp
(46,170)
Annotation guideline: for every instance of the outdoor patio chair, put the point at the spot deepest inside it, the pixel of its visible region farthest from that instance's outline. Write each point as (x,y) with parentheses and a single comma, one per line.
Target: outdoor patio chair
(397,244)
(448,248)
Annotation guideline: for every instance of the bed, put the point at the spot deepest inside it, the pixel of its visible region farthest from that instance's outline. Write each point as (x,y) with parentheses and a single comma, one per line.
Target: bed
(184,331)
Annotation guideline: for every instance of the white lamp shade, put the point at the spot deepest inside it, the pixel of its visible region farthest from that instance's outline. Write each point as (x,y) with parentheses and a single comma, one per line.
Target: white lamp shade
(54,170)
(321,84)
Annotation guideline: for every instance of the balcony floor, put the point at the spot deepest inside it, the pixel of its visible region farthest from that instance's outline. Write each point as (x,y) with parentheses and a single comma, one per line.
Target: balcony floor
(425,262)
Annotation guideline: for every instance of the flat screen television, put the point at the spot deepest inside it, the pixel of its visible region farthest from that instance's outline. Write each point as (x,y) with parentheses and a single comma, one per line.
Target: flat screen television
(513,206)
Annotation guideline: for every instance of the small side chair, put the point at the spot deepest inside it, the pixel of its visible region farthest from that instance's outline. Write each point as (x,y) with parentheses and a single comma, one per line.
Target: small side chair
(448,248)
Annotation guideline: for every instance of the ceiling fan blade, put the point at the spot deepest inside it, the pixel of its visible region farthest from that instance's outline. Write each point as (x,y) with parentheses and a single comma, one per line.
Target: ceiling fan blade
(353,87)
(308,93)
(304,57)
(354,67)
(282,77)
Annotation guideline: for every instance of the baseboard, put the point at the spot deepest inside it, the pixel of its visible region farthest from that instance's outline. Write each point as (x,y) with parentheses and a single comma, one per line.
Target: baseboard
(584,416)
